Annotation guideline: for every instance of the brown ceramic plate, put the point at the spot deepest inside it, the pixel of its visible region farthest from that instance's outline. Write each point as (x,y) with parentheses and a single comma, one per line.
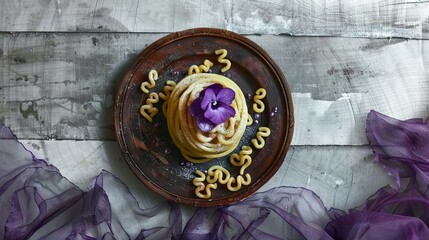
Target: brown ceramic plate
(148,148)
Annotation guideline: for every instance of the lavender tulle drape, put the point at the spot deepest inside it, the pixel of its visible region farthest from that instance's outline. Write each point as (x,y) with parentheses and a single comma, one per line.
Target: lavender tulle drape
(37,202)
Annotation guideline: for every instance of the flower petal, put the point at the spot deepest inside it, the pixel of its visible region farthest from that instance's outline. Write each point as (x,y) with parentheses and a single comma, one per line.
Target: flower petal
(195,108)
(204,124)
(210,112)
(216,87)
(220,114)
(208,98)
(226,110)
(226,96)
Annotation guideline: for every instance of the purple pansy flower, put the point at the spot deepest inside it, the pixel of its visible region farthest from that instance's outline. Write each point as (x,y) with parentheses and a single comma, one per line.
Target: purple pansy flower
(212,107)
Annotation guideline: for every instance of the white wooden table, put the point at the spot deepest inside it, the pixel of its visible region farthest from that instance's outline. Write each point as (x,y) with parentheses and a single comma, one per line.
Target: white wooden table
(61,62)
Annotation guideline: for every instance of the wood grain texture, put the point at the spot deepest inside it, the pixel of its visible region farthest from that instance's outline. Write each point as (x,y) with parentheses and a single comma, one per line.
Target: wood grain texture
(52,83)
(343,177)
(112,16)
(367,18)
(346,18)
(62,85)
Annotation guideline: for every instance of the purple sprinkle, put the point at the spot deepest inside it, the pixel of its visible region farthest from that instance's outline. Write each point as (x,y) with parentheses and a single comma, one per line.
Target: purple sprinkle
(153,142)
(272,114)
(167,151)
(256,121)
(182,163)
(189,164)
(157,125)
(249,96)
(257,116)
(175,73)
(228,75)
(276,109)
(205,171)
(210,71)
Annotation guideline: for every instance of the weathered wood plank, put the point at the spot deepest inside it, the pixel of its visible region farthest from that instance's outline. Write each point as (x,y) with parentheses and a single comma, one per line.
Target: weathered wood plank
(62,86)
(344,177)
(368,18)
(51,84)
(108,15)
(347,18)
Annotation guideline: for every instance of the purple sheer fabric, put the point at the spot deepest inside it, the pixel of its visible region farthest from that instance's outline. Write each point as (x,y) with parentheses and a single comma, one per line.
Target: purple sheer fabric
(38,203)
(280,213)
